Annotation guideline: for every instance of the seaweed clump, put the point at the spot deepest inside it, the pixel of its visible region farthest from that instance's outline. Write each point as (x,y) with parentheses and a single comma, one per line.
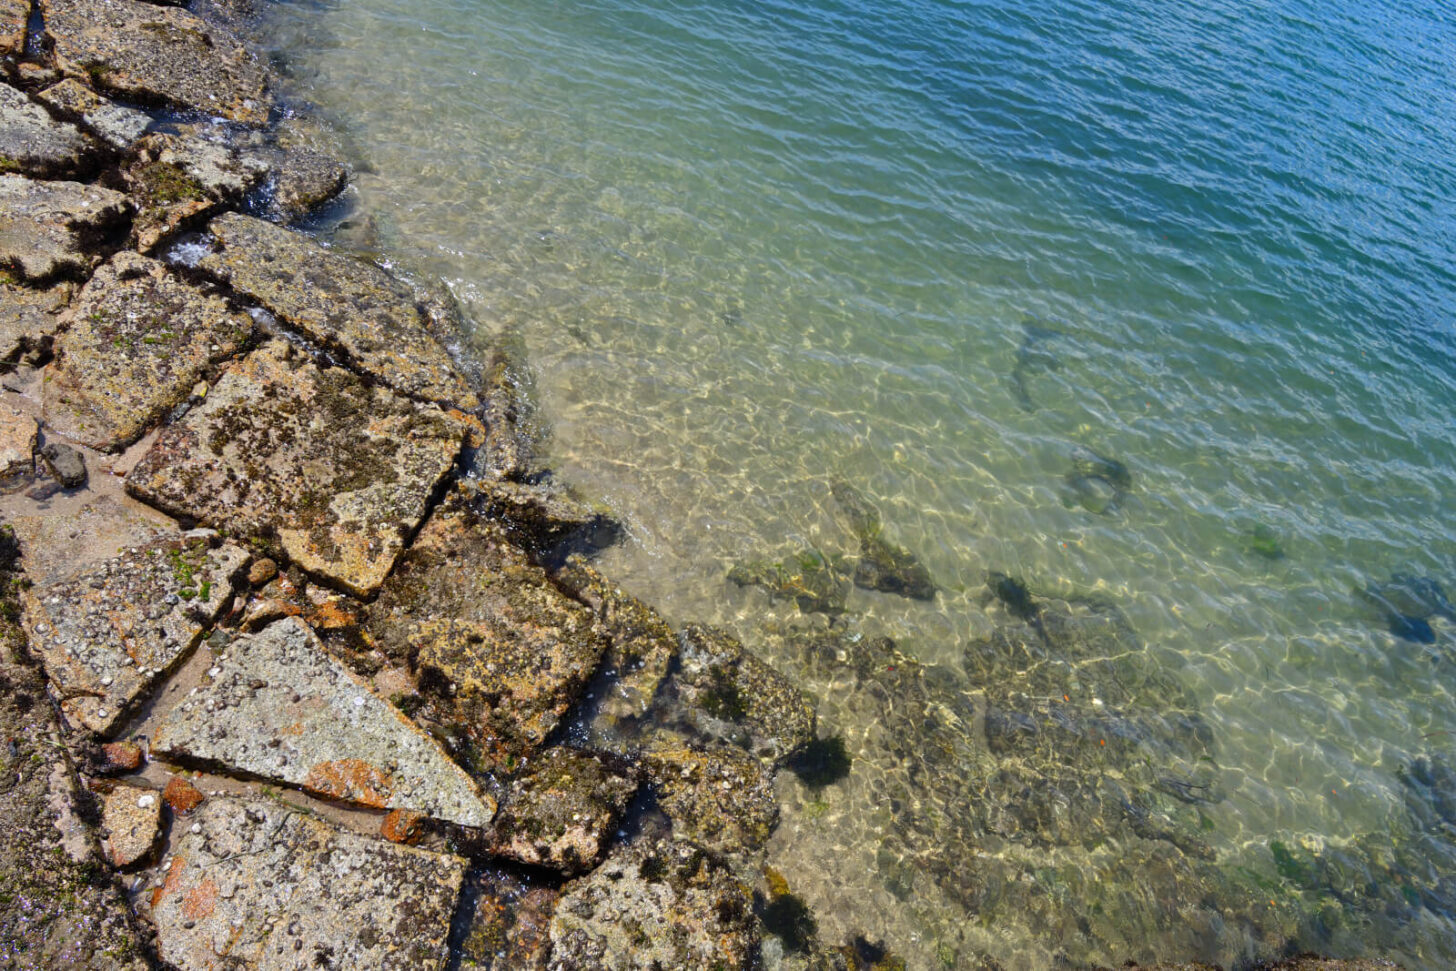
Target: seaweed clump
(822,762)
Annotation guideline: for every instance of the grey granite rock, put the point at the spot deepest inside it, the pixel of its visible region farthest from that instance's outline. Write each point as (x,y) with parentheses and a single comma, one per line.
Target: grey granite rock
(33,143)
(279,707)
(65,463)
(50,228)
(116,125)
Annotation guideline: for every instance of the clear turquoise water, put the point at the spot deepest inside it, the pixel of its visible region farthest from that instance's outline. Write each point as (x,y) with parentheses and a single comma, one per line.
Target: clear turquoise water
(750,247)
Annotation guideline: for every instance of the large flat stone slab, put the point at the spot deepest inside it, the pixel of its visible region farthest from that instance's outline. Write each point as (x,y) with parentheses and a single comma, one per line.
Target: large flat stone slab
(109,632)
(50,228)
(496,645)
(255,884)
(139,340)
(29,319)
(17,441)
(34,143)
(352,308)
(156,54)
(280,707)
(116,125)
(337,471)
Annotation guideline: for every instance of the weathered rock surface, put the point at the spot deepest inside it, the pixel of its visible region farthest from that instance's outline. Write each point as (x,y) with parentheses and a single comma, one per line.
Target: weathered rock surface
(351,308)
(278,706)
(131,817)
(729,693)
(510,926)
(57,913)
(543,514)
(33,143)
(29,320)
(561,811)
(65,463)
(17,441)
(116,125)
(662,904)
(179,180)
(139,340)
(718,796)
(107,633)
(338,471)
(70,532)
(156,54)
(507,450)
(498,647)
(14,15)
(306,172)
(254,884)
(50,228)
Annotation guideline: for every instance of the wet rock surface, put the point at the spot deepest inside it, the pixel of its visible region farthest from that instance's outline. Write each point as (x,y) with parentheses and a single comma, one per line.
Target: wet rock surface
(33,143)
(351,308)
(139,340)
(499,650)
(882,565)
(108,633)
(29,319)
(660,904)
(51,228)
(157,54)
(510,921)
(562,810)
(116,125)
(177,181)
(544,515)
(339,473)
(279,707)
(716,796)
(271,887)
(131,818)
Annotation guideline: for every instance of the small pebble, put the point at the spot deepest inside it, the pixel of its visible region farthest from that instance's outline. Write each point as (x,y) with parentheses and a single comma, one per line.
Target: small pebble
(146,801)
(358,701)
(196,827)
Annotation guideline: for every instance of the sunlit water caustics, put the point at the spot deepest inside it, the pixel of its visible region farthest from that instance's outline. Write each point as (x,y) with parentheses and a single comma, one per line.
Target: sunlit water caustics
(1149,305)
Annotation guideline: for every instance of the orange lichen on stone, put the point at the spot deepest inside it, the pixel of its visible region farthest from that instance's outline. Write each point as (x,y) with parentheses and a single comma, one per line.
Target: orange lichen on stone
(170,881)
(353,780)
(200,900)
(402,826)
(332,615)
(474,427)
(182,795)
(123,755)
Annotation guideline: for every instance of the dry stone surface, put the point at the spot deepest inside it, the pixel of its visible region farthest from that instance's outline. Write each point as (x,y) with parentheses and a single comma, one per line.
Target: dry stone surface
(255,884)
(278,706)
(29,320)
(139,340)
(17,441)
(131,817)
(13,17)
(116,125)
(48,228)
(338,471)
(34,143)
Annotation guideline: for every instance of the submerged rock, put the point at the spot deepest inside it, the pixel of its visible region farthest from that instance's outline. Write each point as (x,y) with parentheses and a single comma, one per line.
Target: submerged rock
(1264,541)
(510,921)
(279,707)
(33,143)
(664,904)
(882,565)
(139,340)
(338,471)
(52,228)
(351,308)
(108,633)
(1408,602)
(116,125)
(270,886)
(1033,356)
(155,54)
(1098,484)
(177,181)
(561,811)
(815,582)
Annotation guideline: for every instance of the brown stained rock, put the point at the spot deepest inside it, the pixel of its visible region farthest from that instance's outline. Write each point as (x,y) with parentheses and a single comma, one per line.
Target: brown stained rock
(149,53)
(507,450)
(29,320)
(499,648)
(33,143)
(719,797)
(131,817)
(279,707)
(14,15)
(561,811)
(116,125)
(262,571)
(338,471)
(731,694)
(182,795)
(664,904)
(179,180)
(544,514)
(139,340)
(352,308)
(510,929)
(52,228)
(107,633)
(122,756)
(270,887)
(17,441)
(402,826)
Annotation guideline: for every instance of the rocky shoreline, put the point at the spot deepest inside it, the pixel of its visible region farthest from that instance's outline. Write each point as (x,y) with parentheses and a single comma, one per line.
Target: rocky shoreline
(303,666)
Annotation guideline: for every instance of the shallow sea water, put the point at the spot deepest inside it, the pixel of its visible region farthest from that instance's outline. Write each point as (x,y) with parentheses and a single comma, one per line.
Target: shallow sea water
(749,248)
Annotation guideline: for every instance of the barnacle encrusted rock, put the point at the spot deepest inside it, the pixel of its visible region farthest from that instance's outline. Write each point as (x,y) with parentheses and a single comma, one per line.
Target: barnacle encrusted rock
(352,308)
(116,125)
(151,53)
(270,887)
(338,471)
(34,143)
(107,633)
(49,228)
(178,180)
(510,927)
(663,904)
(717,796)
(278,706)
(139,340)
(14,15)
(498,647)
(29,319)
(561,811)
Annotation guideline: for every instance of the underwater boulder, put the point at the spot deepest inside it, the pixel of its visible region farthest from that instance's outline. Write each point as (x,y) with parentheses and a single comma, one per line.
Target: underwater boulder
(1408,602)
(815,582)
(883,566)
(1097,483)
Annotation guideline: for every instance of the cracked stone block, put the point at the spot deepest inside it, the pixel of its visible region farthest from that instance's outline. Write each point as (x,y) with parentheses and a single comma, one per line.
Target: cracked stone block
(34,143)
(131,817)
(179,180)
(50,228)
(562,811)
(338,471)
(352,308)
(140,339)
(717,796)
(107,634)
(116,125)
(271,887)
(280,707)
(153,54)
